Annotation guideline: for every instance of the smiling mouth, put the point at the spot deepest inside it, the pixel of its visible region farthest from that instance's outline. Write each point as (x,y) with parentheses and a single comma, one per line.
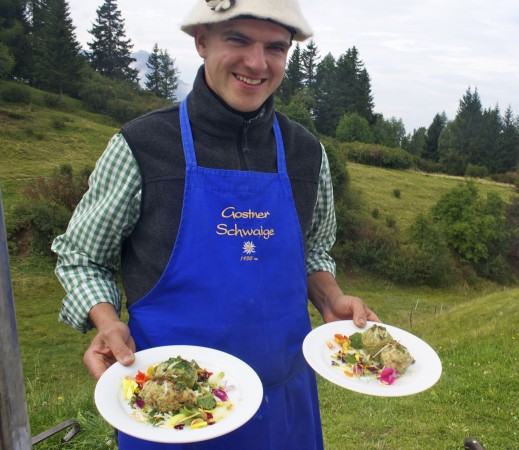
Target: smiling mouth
(250,81)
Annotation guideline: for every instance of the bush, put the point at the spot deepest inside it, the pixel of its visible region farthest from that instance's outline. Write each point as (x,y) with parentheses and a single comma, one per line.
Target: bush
(59,122)
(15,93)
(473,226)
(426,166)
(120,100)
(397,193)
(373,247)
(377,155)
(475,171)
(508,177)
(390,222)
(51,100)
(46,210)
(123,110)
(42,222)
(353,128)
(411,264)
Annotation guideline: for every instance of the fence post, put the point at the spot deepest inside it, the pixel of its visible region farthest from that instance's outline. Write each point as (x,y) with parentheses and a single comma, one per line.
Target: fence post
(14,421)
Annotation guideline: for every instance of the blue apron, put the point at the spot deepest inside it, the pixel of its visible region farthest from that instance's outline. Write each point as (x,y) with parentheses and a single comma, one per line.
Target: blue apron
(236,282)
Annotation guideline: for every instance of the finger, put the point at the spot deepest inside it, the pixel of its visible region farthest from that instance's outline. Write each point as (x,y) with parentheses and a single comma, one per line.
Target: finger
(97,362)
(360,312)
(117,343)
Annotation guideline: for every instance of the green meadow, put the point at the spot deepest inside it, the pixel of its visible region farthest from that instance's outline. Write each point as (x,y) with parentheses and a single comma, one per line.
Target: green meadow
(472,328)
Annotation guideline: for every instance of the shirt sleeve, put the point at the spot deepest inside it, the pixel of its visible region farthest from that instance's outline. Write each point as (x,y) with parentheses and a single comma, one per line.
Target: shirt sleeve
(321,234)
(88,252)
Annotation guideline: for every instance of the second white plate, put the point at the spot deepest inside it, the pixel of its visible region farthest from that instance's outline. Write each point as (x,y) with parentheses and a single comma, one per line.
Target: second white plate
(421,375)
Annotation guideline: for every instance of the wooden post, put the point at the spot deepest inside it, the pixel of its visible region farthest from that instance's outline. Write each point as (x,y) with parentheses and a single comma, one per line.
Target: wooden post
(14,421)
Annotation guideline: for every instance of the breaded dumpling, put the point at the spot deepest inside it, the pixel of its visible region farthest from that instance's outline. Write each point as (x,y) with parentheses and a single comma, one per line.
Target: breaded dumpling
(165,395)
(374,338)
(395,356)
(177,370)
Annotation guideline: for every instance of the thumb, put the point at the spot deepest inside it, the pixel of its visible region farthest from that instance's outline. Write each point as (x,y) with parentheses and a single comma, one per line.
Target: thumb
(359,313)
(122,348)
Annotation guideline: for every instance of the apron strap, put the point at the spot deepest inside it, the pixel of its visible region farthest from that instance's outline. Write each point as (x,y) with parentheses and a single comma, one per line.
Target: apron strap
(189,147)
(282,167)
(187,136)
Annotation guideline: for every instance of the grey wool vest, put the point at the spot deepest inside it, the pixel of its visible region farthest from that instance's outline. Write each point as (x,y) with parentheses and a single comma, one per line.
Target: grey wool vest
(223,140)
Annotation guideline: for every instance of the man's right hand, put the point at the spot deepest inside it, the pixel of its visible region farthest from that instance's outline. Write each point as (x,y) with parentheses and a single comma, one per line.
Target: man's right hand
(112,343)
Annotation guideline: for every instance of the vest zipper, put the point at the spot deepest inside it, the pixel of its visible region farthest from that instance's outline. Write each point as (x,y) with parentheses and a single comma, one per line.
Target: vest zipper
(243,145)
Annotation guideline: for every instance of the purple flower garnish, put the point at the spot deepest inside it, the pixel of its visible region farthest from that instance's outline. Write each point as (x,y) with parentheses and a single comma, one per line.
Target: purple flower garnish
(221,394)
(388,376)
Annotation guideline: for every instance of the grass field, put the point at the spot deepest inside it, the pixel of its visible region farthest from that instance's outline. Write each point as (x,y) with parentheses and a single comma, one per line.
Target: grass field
(473,329)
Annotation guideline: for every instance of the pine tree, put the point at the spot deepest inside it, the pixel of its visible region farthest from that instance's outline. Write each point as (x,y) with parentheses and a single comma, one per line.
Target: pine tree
(15,48)
(469,121)
(153,77)
(111,51)
(354,85)
(489,140)
(507,155)
(415,144)
(309,62)
(433,136)
(293,79)
(58,62)
(168,76)
(163,76)
(327,110)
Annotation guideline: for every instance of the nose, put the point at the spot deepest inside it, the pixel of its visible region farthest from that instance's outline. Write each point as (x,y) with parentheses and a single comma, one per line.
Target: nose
(255,57)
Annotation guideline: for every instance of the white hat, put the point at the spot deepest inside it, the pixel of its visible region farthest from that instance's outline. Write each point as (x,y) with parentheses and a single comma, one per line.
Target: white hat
(284,12)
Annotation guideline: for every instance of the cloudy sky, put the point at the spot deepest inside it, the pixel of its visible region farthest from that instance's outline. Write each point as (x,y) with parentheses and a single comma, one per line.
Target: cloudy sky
(422,55)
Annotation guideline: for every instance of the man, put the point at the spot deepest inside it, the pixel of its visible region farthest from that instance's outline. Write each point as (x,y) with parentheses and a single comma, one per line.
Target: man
(223,210)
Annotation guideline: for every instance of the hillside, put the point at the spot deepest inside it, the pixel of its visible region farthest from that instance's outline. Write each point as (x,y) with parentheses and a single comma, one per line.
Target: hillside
(418,191)
(35,139)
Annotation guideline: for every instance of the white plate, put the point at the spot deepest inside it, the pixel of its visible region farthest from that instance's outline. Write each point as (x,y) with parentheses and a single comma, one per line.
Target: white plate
(420,376)
(246,396)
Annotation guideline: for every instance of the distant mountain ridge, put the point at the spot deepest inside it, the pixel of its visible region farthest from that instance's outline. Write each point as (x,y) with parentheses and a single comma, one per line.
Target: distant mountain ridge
(141,58)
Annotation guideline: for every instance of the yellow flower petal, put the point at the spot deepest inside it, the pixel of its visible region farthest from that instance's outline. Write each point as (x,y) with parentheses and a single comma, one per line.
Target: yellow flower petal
(129,387)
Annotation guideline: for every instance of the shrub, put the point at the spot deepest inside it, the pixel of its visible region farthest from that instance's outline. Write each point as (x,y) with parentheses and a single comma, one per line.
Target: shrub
(475,171)
(426,166)
(396,193)
(373,247)
(353,128)
(472,225)
(51,100)
(41,221)
(123,110)
(390,222)
(47,209)
(508,177)
(410,264)
(15,93)
(59,122)
(377,155)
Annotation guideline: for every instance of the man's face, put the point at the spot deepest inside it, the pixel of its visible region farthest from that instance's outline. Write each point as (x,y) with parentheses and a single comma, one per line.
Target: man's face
(244,60)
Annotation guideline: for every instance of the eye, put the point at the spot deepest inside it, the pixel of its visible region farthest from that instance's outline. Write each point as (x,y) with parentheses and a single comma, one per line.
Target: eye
(277,48)
(238,40)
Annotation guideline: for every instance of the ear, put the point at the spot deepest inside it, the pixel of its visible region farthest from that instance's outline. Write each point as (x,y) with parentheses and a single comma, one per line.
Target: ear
(201,40)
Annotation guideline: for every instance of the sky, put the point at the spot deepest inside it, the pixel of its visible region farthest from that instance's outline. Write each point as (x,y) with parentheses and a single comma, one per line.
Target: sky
(421,55)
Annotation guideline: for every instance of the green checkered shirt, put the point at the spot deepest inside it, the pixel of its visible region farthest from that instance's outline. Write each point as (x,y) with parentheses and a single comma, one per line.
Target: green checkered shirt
(88,252)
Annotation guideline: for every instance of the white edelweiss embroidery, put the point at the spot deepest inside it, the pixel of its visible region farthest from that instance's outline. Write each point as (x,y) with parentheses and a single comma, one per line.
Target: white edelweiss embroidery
(220,5)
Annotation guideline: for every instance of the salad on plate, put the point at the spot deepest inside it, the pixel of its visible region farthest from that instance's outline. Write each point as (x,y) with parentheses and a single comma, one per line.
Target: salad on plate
(373,354)
(177,393)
